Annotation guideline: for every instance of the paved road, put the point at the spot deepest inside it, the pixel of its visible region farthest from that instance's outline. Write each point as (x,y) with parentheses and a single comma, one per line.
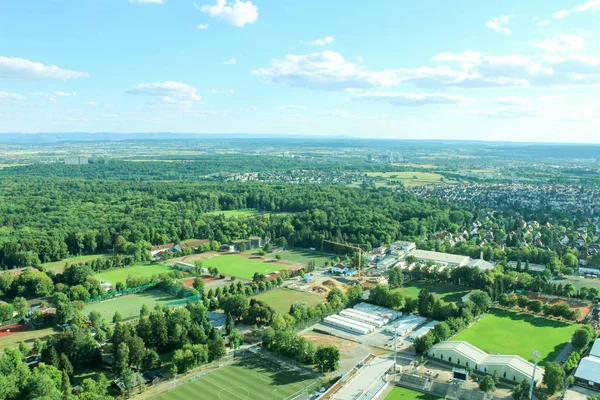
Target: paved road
(564,354)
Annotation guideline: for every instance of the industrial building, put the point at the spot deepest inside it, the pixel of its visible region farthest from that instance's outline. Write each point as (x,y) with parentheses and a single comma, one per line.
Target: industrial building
(407,325)
(508,367)
(348,325)
(423,330)
(440,258)
(76,160)
(588,371)
(383,312)
(364,317)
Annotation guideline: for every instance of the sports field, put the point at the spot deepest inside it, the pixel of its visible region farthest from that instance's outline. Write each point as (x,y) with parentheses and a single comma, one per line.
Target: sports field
(242,267)
(251,378)
(509,332)
(129,306)
(412,178)
(120,274)
(12,341)
(302,256)
(399,393)
(446,292)
(59,266)
(247,212)
(282,299)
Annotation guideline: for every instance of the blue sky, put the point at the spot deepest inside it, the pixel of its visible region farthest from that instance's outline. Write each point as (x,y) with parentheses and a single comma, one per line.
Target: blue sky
(512,70)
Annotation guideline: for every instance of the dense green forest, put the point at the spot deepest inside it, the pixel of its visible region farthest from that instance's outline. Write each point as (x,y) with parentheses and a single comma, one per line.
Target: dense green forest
(44,220)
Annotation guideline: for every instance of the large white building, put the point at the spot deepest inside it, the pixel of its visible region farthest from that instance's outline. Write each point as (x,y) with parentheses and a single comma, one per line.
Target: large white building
(440,258)
(508,367)
(588,371)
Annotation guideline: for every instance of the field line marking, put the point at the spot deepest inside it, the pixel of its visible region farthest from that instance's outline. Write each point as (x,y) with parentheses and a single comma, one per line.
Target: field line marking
(224,389)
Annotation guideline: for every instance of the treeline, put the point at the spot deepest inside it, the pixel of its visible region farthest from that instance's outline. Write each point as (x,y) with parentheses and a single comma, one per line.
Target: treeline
(47,220)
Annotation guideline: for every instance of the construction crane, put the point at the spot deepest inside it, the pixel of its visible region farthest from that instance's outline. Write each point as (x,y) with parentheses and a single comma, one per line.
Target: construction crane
(360,253)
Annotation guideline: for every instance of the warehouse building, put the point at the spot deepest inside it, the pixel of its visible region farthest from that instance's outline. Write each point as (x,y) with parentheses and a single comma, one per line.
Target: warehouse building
(508,367)
(440,258)
(422,331)
(407,325)
(364,317)
(588,371)
(383,312)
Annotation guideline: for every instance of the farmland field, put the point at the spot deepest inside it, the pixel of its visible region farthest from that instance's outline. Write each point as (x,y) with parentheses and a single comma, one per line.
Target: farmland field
(412,178)
(248,212)
(282,299)
(446,292)
(59,266)
(120,274)
(399,393)
(302,256)
(251,378)
(242,267)
(509,332)
(129,306)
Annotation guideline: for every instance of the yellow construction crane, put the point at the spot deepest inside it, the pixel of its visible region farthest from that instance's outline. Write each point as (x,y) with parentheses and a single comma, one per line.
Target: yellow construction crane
(360,253)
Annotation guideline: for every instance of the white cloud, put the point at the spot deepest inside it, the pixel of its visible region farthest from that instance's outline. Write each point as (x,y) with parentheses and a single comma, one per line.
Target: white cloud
(293,107)
(196,6)
(215,91)
(506,113)
(148,1)
(468,56)
(500,24)
(513,101)
(166,92)
(202,26)
(230,61)
(411,99)
(6,97)
(22,69)
(47,96)
(592,5)
(323,41)
(239,13)
(360,59)
(543,23)
(65,94)
(92,103)
(254,108)
(562,43)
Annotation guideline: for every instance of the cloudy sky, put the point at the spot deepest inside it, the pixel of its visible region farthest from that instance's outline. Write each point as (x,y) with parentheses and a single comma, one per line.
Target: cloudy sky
(512,70)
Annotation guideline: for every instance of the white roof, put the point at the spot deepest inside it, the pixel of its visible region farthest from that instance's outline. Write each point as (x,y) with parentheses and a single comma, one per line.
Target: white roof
(481,264)
(440,257)
(595,351)
(516,363)
(465,349)
(366,377)
(589,369)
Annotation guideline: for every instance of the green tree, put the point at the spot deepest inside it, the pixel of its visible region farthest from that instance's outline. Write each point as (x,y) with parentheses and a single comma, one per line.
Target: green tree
(487,384)
(327,357)
(521,391)
(65,365)
(582,337)
(20,306)
(554,377)
(121,360)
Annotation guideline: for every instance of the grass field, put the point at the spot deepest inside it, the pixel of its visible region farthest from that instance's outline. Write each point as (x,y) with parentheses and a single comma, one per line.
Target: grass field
(251,378)
(509,332)
(578,282)
(120,274)
(241,267)
(413,178)
(399,393)
(129,306)
(12,341)
(302,256)
(59,266)
(282,299)
(248,212)
(446,292)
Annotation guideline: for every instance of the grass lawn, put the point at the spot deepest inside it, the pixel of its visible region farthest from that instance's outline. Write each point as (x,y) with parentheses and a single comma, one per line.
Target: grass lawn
(59,266)
(247,212)
(129,306)
(509,332)
(12,341)
(251,378)
(303,256)
(399,393)
(241,267)
(578,281)
(282,299)
(446,292)
(120,274)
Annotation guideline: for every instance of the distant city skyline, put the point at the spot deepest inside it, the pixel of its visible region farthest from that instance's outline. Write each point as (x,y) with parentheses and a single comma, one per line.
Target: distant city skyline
(511,71)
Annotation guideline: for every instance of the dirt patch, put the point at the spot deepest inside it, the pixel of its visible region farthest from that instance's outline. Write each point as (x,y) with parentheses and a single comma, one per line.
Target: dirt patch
(11,329)
(585,309)
(269,261)
(196,257)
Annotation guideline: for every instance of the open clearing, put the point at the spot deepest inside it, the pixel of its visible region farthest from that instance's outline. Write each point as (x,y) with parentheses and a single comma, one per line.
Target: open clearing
(129,306)
(399,393)
(412,178)
(578,281)
(302,256)
(251,378)
(12,341)
(446,292)
(282,299)
(59,266)
(141,271)
(247,212)
(242,267)
(509,332)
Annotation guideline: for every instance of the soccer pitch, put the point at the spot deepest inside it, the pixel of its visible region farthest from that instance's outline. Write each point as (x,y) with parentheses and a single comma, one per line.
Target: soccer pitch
(509,332)
(251,378)
(140,271)
(241,267)
(445,291)
(282,299)
(399,393)
(129,306)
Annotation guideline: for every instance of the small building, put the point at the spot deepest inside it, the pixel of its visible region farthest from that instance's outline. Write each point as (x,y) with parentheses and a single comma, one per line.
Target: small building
(154,250)
(588,373)
(386,263)
(184,266)
(217,320)
(193,243)
(255,242)
(402,245)
(308,279)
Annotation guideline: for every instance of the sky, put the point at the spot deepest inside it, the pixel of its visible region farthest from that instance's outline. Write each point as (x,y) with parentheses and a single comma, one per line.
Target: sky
(510,70)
